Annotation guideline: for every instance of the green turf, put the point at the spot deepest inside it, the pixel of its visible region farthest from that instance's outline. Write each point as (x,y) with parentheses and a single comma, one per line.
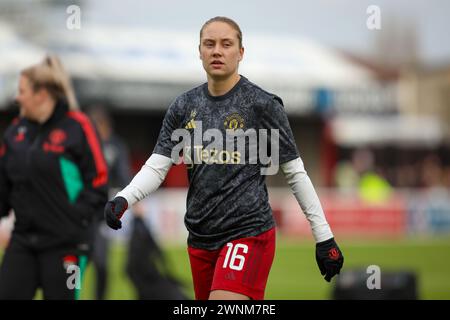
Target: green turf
(295,275)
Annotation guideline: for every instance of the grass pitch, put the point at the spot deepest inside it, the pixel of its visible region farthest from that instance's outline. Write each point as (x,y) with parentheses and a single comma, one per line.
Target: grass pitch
(295,275)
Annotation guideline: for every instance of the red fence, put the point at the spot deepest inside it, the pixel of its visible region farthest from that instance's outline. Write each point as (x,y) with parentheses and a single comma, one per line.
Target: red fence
(346,214)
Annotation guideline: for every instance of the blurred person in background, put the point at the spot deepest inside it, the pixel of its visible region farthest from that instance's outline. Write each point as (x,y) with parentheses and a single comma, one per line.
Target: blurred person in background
(432,174)
(372,186)
(357,172)
(231,240)
(145,265)
(53,175)
(117,159)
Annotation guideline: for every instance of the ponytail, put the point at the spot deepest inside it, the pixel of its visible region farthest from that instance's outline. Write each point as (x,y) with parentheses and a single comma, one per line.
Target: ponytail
(51,75)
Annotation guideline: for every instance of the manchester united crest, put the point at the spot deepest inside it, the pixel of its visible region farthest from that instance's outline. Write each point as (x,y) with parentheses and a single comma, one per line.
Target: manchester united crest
(57,136)
(234,122)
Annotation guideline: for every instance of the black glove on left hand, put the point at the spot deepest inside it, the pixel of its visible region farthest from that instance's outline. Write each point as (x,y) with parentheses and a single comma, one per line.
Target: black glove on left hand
(113,212)
(329,258)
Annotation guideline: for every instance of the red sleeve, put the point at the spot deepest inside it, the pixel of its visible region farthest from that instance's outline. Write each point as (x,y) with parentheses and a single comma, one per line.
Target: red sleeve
(94,148)
(93,169)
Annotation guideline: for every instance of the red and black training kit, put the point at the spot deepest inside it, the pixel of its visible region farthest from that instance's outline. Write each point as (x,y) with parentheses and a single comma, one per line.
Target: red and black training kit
(55,178)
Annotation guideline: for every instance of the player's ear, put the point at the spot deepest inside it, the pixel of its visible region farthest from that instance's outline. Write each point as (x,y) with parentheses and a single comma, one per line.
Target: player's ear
(199,53)
(241,53)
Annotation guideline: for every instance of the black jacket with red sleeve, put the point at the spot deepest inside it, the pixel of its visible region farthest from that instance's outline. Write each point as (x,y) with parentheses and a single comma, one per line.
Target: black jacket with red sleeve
(54,176)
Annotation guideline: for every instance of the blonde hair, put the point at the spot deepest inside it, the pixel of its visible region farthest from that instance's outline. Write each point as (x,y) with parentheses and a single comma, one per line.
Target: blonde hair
(51,75)
(226,20)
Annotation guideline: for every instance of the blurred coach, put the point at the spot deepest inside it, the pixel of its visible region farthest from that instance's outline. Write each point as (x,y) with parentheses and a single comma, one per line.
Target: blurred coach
(54,176)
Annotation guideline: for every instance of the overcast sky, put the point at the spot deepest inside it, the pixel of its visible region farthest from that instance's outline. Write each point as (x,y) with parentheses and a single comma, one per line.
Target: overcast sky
(335,23)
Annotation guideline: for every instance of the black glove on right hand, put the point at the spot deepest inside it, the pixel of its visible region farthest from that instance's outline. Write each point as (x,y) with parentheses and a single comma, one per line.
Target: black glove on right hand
(329,258)
(114,210)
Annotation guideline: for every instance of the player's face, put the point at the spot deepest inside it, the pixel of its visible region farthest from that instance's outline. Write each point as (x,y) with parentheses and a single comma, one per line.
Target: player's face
(29,100)
(219,50)
(26,97)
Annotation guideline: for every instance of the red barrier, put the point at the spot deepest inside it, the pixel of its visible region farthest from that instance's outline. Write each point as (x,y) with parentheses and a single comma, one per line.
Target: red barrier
(346,214)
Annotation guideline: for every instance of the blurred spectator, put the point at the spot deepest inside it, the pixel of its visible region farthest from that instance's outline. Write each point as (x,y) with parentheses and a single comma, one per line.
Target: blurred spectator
(346,176)
(360,174)
(400,169)
(432,172)
(146,264)
(363,160)
(406,176)
(374,188)
(117,159)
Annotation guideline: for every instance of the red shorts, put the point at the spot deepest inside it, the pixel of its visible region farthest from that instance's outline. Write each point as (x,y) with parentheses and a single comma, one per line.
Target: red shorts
(240,266)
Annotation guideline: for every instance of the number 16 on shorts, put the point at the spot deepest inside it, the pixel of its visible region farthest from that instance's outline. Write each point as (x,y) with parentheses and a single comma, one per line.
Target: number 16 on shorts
(244,265)
(235,258)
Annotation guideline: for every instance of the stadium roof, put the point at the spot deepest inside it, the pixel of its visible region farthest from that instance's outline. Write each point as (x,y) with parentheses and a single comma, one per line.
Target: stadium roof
(168,56)
(148,68)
